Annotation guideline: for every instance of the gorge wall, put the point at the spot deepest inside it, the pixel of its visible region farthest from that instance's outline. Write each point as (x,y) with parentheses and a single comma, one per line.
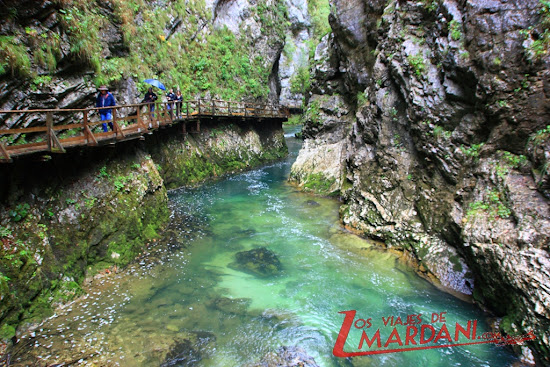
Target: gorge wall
(429,119)
(91,209)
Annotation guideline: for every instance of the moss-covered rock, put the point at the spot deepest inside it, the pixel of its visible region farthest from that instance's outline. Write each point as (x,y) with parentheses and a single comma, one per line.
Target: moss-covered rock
(260,262)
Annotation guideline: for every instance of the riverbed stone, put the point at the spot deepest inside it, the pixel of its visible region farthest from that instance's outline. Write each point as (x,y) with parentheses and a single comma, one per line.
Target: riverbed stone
(286,356)
(260,262)
(237,306)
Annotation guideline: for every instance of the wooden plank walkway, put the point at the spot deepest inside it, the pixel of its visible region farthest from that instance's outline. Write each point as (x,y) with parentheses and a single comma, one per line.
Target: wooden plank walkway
(49,136)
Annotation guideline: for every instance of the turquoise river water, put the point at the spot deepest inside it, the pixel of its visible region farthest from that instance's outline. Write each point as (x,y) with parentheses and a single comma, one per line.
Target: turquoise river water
(184,306)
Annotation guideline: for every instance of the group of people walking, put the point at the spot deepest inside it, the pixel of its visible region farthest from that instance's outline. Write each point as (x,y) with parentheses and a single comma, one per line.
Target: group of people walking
(106,99)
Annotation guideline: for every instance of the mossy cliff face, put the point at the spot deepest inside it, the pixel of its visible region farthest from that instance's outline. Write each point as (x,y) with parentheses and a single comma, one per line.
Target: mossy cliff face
(67,217)
(445,147)
(215,150)
(82,212)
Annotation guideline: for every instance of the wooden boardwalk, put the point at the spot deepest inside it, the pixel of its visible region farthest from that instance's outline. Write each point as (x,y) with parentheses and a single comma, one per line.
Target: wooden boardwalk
(53,131)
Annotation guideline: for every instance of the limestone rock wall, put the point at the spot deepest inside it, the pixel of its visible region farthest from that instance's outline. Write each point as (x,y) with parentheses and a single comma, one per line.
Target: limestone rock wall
(445,144)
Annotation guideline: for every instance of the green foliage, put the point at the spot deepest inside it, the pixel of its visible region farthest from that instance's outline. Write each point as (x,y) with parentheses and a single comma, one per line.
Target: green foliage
(472,151)
(4,232)
(502,103)
(83,22)
(540,35)
(440,131)
(509,161)
(493,205)
(14,57)
(294,120)
(515,161)
(455,29)
(417,63)
(431,5)
(313,113)
(318,12)
(103,173)
(20,212)
(217,62)
(497,61)
(40,81)
(300,81)
(89,201)
(361,98)
(120,181)
(47,50)
(540,136)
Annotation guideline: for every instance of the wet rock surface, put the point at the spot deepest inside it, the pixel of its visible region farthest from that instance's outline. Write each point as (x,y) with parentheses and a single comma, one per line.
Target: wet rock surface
(260,262)
(187,352)
(445,146)
(287,357)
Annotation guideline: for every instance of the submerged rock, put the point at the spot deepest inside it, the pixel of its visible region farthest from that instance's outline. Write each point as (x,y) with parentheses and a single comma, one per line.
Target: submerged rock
(259,261)
(236,306)
(187,352)
(287,357)
(312,203)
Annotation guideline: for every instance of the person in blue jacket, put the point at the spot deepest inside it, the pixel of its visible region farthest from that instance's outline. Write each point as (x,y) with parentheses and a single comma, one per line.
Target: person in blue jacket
(105,99)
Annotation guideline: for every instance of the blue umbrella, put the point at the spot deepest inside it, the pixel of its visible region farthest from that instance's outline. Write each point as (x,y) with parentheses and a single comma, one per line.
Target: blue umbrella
(155,83)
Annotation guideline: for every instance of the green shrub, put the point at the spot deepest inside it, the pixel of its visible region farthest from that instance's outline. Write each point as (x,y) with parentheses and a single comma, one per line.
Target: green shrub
(318,12)
(417,63)
(14,57)
(472,151)
(300,81)
(455,29)
(493,205)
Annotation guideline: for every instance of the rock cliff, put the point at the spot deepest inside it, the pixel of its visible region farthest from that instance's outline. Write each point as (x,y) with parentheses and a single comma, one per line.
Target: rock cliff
(429,119)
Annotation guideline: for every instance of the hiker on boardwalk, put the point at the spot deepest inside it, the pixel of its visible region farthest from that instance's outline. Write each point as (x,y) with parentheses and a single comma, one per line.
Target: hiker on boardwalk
(179,101)
(150,97)
(171,98)
(105,99)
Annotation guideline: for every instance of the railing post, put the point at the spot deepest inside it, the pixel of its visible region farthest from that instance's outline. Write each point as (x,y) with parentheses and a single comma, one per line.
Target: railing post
(199,107)
(187,108)
(85,126)
(229,108)
(5,153)
(90,138)
(138,118)
(213,107)
(49,126)
(115,125)
(118,130)
(52,138)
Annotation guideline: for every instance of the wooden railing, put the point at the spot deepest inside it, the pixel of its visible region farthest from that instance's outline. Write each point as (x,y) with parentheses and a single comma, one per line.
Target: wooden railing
(57,129)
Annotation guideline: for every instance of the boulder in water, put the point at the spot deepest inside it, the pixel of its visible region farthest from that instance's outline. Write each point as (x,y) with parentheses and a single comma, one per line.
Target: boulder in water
(312,203)
(237,306)
(189,351)
(287,357)
(259,261)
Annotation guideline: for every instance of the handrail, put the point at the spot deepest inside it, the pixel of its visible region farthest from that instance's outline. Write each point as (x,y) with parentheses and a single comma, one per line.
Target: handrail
(131,125)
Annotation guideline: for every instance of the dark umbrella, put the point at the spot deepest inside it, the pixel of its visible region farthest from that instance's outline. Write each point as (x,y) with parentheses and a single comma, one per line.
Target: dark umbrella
(155,83)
